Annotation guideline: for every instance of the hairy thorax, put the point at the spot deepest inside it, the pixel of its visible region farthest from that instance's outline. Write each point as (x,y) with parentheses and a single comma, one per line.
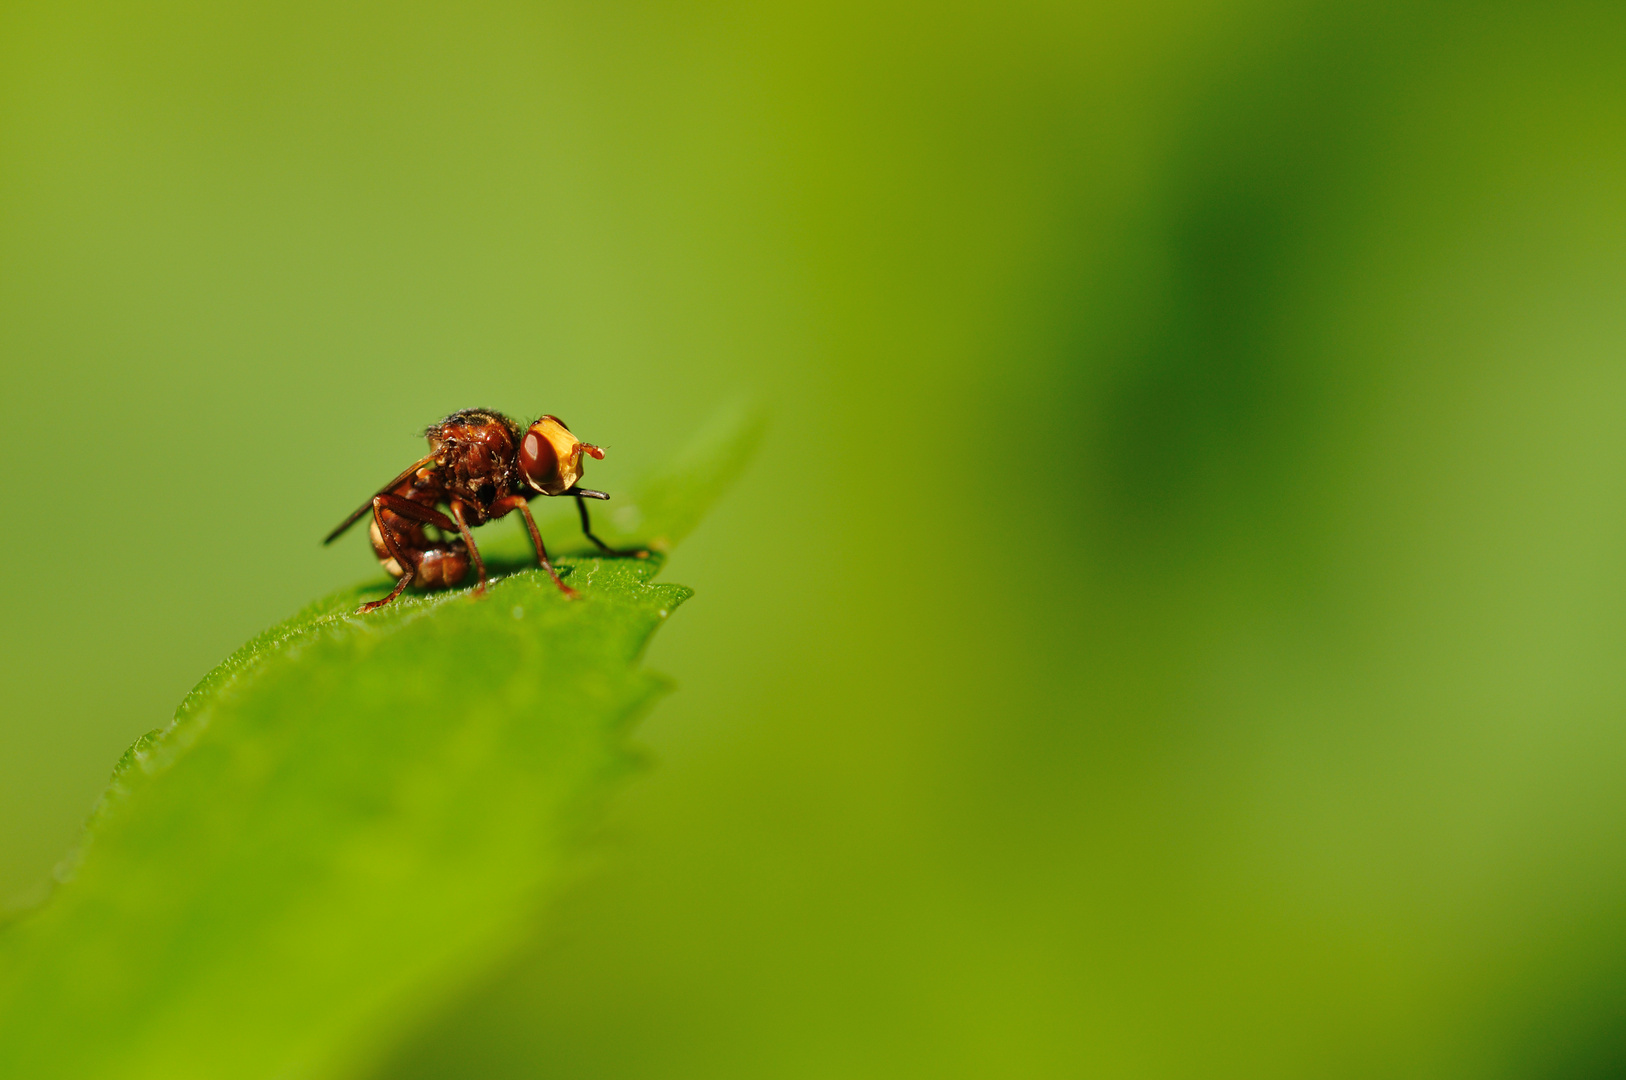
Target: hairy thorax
(475,454)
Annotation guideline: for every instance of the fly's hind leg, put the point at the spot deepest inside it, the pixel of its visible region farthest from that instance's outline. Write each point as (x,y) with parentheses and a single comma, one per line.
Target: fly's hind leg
(408,565)
(415,511)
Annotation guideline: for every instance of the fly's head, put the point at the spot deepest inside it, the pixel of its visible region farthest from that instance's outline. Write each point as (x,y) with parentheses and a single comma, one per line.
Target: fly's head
(550,457)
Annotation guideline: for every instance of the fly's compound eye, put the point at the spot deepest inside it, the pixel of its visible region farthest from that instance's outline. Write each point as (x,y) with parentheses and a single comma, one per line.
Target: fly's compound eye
(538,461)
(550,457)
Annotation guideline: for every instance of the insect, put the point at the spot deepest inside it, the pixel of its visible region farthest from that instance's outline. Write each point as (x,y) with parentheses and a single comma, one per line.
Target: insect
(481,465)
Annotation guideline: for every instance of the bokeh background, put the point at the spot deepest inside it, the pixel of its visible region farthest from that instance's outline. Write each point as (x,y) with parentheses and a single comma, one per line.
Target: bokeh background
(1175,626)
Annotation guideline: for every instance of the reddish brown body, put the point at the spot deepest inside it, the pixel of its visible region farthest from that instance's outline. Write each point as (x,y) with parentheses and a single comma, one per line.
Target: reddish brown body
(481,465)
(440,562)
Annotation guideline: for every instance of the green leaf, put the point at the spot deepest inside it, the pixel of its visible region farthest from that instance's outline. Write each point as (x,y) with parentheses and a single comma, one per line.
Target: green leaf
(346,821)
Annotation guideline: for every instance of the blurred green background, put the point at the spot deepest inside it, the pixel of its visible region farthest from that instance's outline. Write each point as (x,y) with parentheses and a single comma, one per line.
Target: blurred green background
(1174,626)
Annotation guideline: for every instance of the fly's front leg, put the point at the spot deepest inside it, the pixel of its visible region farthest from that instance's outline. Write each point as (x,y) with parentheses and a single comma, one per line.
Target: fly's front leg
(587,526)
(474,552)
(516,502)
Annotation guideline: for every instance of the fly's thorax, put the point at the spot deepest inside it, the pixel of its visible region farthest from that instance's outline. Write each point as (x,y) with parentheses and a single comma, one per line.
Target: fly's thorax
(475,453)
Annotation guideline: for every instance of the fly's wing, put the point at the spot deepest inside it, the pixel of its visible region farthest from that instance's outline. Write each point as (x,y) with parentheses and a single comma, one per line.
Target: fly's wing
(362,510)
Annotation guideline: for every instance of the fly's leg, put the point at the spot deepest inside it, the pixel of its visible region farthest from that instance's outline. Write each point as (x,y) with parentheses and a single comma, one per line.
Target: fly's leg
(474,552)
(416,511)
(439,561)
(587,531)
(409,567)
(516,502)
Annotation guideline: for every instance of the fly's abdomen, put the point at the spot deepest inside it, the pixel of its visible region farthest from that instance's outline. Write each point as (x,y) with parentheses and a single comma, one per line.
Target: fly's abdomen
(439,564)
